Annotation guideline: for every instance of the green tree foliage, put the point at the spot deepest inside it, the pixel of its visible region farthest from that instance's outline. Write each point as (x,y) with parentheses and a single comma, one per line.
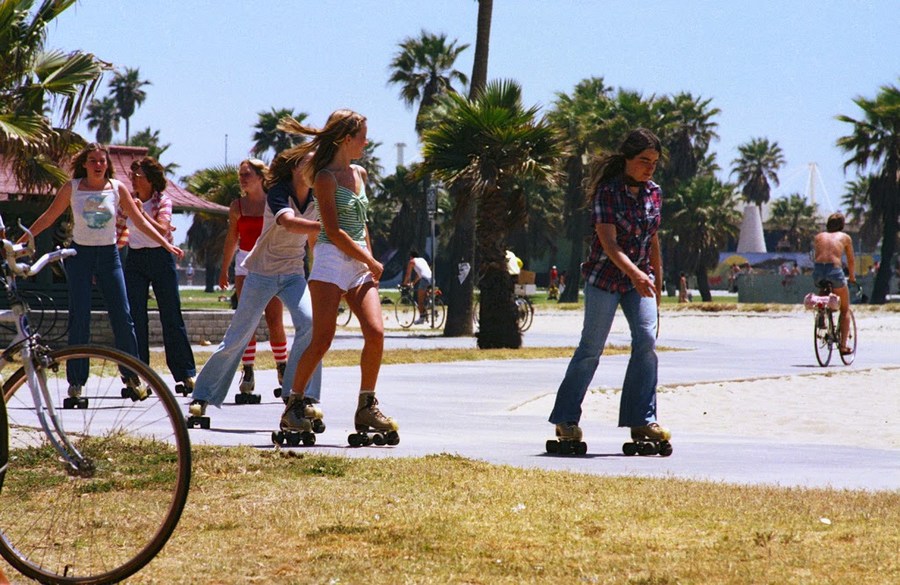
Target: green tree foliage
(206,236)
(150,139)
(36,86)
(757,164)
(489,147)
(860,213)
(874,142)
(796,218)
(128,93)
(268,138)
(103,115)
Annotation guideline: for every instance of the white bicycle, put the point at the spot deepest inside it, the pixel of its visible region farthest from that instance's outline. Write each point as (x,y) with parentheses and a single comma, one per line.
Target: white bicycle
(92,483)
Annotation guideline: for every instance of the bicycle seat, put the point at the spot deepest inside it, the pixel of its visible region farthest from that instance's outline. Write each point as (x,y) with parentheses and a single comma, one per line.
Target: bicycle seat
(825,286)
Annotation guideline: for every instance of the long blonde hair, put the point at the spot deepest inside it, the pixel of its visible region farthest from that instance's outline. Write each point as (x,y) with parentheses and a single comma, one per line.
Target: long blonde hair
(325,143)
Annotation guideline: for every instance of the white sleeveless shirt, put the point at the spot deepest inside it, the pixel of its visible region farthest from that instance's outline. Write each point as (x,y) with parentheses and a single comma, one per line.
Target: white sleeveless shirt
(94,214)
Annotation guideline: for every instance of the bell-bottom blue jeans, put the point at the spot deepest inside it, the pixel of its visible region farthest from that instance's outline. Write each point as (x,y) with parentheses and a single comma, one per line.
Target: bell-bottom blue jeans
(638,404)
(104,263)
(145,267)
(216,376)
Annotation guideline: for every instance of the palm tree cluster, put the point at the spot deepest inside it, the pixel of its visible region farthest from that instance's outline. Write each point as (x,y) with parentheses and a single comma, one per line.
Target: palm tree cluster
(35,80)
(104,115)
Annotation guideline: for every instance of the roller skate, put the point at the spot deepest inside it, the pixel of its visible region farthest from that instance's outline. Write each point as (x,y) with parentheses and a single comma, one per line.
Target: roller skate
(280,366)
(568,440)
(301,421)
(248,384)
(372,427)
(185,387)
(650,439)
(134,390)
(197,414)
(75,400)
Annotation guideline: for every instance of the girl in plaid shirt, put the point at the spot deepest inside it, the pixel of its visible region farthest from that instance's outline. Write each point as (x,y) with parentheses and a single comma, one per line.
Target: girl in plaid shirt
(624,269)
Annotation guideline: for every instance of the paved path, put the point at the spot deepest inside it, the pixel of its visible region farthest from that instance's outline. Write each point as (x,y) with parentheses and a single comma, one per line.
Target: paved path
(479,409)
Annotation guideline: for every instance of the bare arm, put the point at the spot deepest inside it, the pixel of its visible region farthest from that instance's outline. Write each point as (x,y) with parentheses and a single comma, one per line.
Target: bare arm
(59,204)
(851,259)
(231,241)
(325,189)
(132,211)
(656,263)
(641,280)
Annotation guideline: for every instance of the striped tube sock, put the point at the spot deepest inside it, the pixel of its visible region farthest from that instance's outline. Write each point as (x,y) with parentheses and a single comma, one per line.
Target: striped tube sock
(249,354)
(279,352)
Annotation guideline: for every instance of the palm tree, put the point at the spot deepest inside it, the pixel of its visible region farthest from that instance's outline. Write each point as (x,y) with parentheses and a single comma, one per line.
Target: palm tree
(758,164)
(796,218)
(104,116)
(701,216)
(269,137)
(126,90)
(875,142)
(32,79)
(689,129)
(423,68)
(859,212)
(488,147)
(149,138)
(206,236)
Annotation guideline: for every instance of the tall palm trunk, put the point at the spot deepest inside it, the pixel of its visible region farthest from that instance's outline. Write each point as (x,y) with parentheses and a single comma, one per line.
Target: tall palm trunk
(882,285)
(462,245)
(497,323)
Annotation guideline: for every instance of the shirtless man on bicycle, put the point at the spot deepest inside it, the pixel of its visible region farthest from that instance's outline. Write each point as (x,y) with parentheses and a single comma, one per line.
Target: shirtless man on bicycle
(829,247)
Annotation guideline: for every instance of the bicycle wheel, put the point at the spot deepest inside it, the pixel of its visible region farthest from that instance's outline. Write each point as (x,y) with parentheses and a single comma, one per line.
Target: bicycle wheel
(525,313)
(4,443)
(851,340)
(822,338)
(406,311)
(440,313)
(110,516)
(344,314)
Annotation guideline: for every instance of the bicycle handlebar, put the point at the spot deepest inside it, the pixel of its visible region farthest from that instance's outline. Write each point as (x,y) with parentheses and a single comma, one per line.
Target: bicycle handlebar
(13,251)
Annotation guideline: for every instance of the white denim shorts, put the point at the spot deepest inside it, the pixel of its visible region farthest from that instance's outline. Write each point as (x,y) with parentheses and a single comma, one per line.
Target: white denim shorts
(332,265)
(238,258)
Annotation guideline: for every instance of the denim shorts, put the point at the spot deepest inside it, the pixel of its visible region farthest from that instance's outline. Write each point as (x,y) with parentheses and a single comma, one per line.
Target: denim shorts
(332,265)
(825,271)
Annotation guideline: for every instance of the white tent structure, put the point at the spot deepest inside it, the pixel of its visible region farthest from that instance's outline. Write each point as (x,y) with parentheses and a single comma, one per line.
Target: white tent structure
(751,240)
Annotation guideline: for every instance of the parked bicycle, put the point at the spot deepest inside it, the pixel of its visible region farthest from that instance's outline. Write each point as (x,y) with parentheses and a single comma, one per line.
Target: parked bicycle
(92,483)
(407,310)
(827,329)
(524,313)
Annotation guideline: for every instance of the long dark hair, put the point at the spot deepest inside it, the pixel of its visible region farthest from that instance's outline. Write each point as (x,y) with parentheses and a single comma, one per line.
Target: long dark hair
(78,169)
(613,165)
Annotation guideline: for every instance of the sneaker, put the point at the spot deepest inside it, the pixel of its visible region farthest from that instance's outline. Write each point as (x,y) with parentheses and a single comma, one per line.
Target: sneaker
(197,408)
(569,431)
(75,390)
(653,432)
(369,416)
(294,416)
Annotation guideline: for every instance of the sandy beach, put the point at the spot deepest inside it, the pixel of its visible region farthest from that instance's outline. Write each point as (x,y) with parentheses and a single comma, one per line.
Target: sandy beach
(843,405)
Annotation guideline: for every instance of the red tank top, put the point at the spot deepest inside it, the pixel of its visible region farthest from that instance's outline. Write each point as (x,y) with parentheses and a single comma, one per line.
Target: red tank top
(249,228)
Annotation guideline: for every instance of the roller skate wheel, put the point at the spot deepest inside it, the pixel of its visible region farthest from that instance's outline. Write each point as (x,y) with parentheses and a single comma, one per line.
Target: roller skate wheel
(552,446)
(309,439)
(77,402)
(292,439)
(378,439)
(318,426)
(581,448)
(565,448)
(648,449)
(277,438)
(353,440)
(277,392)
(665,449)
(630,449)
(392,438)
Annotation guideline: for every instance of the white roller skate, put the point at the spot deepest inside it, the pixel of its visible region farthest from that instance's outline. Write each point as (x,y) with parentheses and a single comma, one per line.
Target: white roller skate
(134,390)
(247,386)
(650,439)
(568,440)
(372,426)
(301,420)
(197,414)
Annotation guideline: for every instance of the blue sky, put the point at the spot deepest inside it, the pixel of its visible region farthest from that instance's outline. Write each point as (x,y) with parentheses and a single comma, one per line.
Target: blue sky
(777,69)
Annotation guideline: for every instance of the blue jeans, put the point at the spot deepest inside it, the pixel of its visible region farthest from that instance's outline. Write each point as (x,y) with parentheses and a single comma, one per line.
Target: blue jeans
(104,263)
(155,266)
(638,403)
(216,376)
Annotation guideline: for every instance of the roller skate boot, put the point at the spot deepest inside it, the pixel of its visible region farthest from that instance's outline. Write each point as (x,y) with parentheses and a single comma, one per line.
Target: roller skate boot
(280,366)
(134,389)
(185,387)
(372,427)
(650,439)
(75,399)
(248,384)
(197,414)
(301,420)
(568,440)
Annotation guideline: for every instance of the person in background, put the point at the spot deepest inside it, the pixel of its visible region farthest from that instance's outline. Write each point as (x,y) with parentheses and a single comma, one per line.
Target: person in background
(419,266)
(149,264)
(245,223)
(624,269)
(94,196)
(829,248)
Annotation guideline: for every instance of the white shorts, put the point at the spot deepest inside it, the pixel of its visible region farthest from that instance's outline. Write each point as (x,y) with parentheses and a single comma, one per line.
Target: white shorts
(332,265)
(238,259)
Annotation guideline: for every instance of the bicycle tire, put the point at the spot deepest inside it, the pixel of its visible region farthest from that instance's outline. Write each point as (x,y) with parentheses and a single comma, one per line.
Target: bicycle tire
(524,314)
(344,314)
(440,314)
(822,338)
(106,523)
(4,443)
(848,358)
(405,310)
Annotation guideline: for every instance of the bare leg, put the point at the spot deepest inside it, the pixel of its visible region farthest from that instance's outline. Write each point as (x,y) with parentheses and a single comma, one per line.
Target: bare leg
(844,294)
(325,300)
(366,305)
(275,321)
